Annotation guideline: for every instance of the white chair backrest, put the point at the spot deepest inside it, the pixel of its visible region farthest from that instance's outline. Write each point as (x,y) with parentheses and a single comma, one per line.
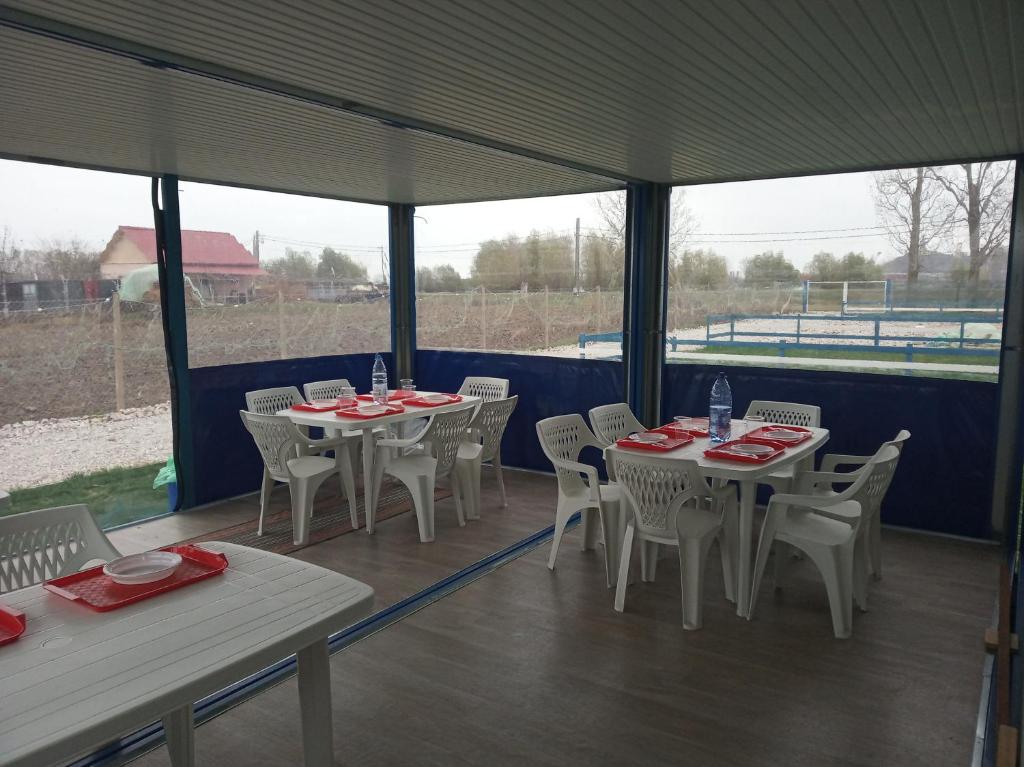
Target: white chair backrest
(656,489)
(269,401)
(562,438)
(882,467)
(324,389)
(444,434)
(275,438)
(48,543)
(898,441)
(487,389)
(613,422)
(786,413)
(490,422)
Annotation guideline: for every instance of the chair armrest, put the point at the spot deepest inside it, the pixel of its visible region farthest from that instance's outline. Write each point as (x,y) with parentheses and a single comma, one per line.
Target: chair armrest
(582,468)
(832,460)
(804,501)
(400,443)
(806,481)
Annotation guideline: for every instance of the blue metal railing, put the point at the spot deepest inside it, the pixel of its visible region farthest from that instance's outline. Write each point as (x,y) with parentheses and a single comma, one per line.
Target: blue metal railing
(780,342)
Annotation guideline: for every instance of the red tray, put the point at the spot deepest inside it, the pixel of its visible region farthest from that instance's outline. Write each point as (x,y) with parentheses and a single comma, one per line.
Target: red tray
(452,399)
(12,624)
(395,396)
(762,435)
(317,406)
(354,413)
(658,447)
(721,452)
(98,592)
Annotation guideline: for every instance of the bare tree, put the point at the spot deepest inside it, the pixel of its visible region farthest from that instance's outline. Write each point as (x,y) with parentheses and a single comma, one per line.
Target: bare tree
(910,204)
(611,207)
(978,195)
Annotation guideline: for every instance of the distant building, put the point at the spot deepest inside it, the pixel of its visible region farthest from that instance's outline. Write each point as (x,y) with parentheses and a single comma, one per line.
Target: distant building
(219,265)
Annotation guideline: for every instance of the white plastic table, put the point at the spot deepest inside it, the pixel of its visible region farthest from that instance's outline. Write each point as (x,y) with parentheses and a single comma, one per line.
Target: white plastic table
(747,476)
(77,678)
(330,422)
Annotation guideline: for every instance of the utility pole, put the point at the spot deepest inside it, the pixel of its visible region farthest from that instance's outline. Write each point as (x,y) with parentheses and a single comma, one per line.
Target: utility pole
(3,275)
(256,245)
(576,281)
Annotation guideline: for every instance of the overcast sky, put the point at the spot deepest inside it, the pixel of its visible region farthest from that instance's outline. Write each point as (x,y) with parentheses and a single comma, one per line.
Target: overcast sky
(40,203)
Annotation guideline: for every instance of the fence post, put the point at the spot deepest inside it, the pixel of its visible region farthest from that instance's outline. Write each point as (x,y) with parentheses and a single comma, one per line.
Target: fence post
(732,328)
(807,288)
(910,352)
(962,323)
(547,318)
(782,347)
(483,317)
(115,301)
(282,346)
(878,326)
(798,328)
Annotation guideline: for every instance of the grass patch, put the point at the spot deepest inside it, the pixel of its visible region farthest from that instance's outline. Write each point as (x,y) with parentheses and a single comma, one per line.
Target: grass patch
(114,496)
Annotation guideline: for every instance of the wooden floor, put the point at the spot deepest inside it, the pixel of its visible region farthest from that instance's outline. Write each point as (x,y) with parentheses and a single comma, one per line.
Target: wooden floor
(528,666)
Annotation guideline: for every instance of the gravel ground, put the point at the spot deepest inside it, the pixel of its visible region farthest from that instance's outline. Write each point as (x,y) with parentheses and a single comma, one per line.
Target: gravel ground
(34,453)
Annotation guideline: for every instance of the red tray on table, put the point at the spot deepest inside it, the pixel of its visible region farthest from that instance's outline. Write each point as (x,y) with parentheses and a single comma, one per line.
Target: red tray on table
(317,406)
(418,402)
(763,435)
(662,446)
(396,396)
(351,412)
(12,624)
(723,452)
(99,592)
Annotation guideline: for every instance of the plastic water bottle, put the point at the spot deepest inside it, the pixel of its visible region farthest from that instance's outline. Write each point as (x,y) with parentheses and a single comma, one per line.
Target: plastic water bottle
(380,381)
(720,414)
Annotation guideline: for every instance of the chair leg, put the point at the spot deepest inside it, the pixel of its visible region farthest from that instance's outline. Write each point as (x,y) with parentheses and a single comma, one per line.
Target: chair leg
(562,515)
(343,460)
(180,732)
(496,463)
(624,557)
(648,560)
(835,563)
(303,492)
(727,544)
(764,546)
(783,553)
(591,523)
(423,501)
(861,569)
(457,494)
(266,488)
(875,545)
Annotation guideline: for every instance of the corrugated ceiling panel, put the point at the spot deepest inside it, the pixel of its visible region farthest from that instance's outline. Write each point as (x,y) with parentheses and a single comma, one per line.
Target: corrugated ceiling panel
(66,103)
(666,90)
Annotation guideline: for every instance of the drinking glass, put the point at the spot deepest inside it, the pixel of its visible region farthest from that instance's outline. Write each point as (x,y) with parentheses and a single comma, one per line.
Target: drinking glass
(407,384)
(347,398)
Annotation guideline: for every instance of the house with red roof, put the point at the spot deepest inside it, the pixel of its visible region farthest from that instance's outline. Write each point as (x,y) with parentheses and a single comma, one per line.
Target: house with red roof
(218,264)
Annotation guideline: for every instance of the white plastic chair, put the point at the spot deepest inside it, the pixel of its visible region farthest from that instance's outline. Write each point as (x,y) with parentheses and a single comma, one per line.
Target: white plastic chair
(487,389)
(420,471)
(786,414)
(331,389)
(485,430)
(613,422)
(562,439)
(49,543)
(344,445)
(672,504)
(873,517)
(277,438)
(826,529)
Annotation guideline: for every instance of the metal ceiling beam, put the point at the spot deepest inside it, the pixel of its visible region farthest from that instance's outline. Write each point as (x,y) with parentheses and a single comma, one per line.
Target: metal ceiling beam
(162,59)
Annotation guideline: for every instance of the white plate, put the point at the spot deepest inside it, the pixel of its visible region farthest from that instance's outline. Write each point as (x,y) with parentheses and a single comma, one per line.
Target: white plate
(147,567)
(435,398)
(752,449)
(649,436)
(783,434)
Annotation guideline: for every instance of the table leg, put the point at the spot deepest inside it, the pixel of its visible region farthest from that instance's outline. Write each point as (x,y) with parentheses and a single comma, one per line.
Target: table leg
(181,744)
(315,702)
(748,495)
(369,447)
